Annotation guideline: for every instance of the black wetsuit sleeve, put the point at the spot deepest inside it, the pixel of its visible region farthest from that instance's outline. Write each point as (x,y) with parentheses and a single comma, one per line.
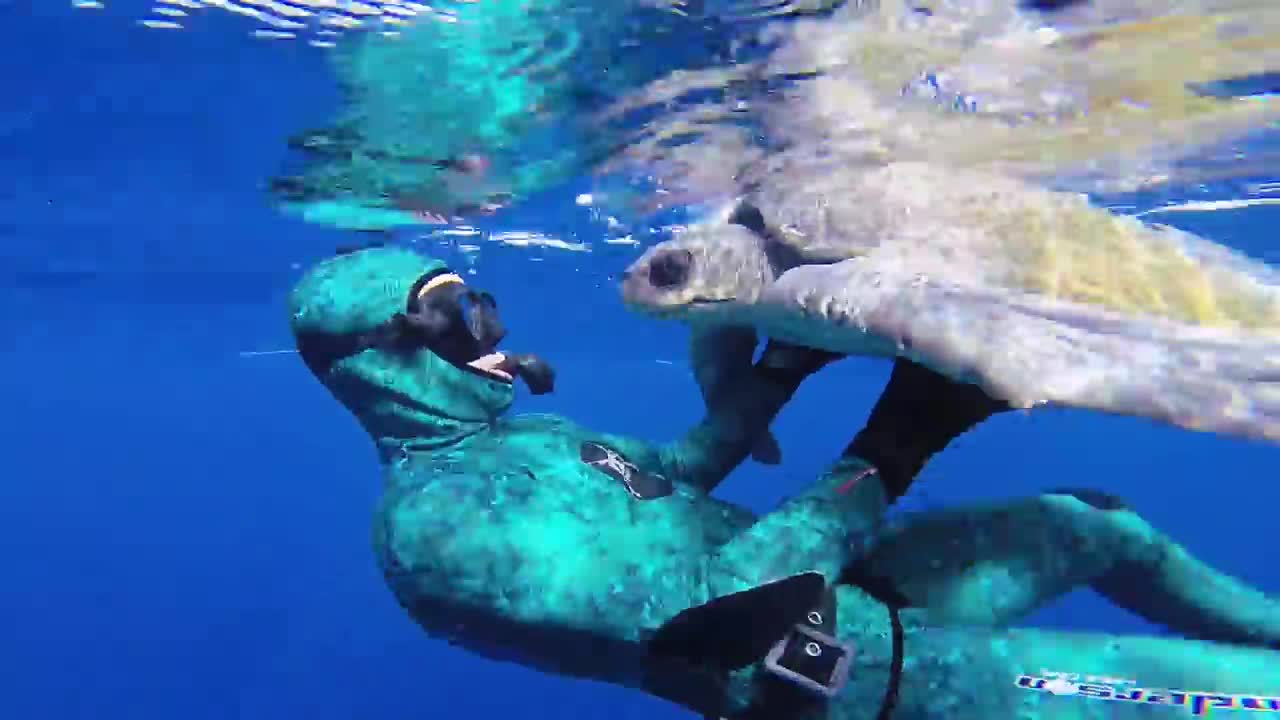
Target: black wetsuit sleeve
(919,414)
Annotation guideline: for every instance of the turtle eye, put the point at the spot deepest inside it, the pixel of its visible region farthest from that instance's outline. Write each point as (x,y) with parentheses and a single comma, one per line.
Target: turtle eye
(670,269)
(749,217)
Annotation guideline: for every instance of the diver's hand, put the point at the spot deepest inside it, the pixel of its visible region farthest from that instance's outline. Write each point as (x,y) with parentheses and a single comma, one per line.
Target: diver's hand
(537,374)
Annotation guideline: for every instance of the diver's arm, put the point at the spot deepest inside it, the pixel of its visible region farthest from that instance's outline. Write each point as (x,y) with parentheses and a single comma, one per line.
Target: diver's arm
(734,422)
(738,420)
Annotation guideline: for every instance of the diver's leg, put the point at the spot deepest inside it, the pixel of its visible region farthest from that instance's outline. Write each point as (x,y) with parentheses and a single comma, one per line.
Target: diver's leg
(833,522)
(989,564)
(904,667)
(992,565)
(972,674)
(1158,579)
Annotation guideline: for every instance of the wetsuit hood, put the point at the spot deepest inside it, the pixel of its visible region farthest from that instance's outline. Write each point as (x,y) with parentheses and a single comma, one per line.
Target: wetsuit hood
(405,396)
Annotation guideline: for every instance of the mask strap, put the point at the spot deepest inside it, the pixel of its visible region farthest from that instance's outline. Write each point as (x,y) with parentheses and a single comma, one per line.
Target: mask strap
(427,283)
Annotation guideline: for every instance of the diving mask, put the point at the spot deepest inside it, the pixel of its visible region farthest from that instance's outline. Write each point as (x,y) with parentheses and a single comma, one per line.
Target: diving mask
(459,325)
(462,326)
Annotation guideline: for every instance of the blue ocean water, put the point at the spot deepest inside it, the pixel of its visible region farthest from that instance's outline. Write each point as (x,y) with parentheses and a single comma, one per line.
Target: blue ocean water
(185,528)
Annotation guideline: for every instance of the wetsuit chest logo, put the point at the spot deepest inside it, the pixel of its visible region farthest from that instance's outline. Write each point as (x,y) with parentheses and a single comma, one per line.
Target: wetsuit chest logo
(641,485)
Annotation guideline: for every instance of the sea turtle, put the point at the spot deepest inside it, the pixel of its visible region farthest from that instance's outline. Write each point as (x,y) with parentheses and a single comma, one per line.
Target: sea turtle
(1037,296)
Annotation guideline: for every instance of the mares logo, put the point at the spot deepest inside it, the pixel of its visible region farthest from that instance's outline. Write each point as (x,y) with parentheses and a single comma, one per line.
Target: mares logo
(1197,702)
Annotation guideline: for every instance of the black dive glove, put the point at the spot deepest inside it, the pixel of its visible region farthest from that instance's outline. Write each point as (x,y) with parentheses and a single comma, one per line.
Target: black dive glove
(919,413)
(537,374)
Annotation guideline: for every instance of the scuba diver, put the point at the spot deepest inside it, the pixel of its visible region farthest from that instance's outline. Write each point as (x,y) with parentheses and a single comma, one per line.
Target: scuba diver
(536,541)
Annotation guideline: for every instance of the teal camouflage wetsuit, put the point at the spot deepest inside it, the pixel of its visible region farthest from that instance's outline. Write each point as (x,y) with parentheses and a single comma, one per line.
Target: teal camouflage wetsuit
(537,541)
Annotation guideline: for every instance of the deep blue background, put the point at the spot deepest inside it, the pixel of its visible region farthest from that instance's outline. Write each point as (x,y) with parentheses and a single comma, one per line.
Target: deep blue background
(185,530)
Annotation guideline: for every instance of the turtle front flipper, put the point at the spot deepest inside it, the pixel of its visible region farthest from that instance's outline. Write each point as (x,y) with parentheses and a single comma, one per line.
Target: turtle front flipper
(719,355)
(1029,351)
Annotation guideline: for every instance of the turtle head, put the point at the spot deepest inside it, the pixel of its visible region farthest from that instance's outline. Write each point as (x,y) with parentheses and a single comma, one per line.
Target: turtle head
(708,270)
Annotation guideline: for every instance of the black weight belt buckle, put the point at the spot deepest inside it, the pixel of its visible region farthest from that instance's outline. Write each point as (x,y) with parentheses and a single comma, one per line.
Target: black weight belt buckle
(812,660)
